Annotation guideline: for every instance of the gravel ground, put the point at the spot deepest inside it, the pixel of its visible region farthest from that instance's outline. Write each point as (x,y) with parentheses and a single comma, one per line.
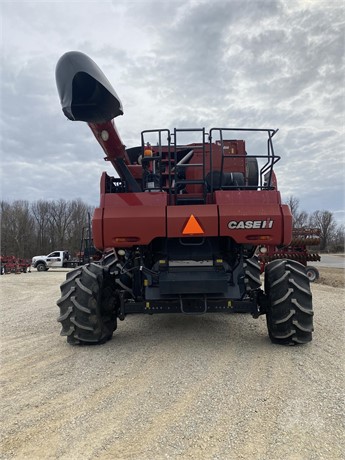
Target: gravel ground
(167,387)
(332,277)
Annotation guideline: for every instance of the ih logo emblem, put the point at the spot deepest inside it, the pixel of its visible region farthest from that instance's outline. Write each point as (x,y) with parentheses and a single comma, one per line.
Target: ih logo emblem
(192,227)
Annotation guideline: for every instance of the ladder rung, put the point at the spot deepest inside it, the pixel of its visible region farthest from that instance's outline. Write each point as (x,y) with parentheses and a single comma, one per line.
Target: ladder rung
(187,165)
(191,147)
(192,182)
(233,187)
(189,200)
(186,196)
(189,130)
(153,158)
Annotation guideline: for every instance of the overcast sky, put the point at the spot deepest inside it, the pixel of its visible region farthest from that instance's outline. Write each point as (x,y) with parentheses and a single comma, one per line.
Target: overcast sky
(230,63)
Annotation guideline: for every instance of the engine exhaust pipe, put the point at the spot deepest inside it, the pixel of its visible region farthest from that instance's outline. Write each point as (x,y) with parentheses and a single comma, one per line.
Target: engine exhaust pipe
(85,92)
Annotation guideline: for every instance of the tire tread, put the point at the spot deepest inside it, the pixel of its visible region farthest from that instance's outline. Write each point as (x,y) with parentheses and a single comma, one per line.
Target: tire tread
(84,305)
(290,311)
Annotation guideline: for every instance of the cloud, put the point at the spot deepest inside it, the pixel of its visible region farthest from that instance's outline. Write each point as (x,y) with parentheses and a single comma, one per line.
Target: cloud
(267,64)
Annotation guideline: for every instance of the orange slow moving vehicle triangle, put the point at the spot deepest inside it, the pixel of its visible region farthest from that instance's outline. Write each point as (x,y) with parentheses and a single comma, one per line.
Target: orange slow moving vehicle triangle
(192,227)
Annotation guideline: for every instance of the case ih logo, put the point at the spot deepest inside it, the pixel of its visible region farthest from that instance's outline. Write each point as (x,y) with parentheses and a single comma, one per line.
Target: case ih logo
(246,224)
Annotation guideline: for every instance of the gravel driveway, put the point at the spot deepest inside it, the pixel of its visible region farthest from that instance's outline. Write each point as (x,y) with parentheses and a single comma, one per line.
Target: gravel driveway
(167,387)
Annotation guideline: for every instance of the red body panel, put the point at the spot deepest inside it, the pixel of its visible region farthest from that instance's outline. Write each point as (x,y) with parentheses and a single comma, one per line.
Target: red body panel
(129,219)
(250,216)
(287,216)
(178,216)
(247,216)
(97,229)
(233,162)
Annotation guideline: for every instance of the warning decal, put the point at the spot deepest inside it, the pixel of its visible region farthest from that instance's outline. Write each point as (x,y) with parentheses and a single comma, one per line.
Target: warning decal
(192,227)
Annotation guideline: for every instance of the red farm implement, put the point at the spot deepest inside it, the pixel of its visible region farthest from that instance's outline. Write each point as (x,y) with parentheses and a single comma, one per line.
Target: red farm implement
(12,264)
(299,249)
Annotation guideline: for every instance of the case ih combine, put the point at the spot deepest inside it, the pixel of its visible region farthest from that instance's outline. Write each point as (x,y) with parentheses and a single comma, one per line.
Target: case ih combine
(179,224)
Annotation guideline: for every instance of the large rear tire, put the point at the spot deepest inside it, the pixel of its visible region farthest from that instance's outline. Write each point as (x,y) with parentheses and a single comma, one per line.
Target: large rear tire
(290,312)
(87,305)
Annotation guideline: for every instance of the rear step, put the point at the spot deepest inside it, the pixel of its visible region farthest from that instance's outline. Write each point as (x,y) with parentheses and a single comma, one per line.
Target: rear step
(188,200)
(193,306)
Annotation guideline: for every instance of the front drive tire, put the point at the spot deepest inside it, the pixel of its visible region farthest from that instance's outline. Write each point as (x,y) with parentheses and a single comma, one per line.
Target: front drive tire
(252,272)
(87,305)
(290,312)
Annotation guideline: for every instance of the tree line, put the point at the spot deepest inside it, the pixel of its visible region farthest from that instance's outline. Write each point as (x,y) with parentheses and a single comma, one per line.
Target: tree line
(40,227)
(332,235)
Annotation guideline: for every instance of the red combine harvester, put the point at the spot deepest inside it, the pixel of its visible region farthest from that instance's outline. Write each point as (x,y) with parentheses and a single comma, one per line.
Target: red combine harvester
(179,224)
(302,239)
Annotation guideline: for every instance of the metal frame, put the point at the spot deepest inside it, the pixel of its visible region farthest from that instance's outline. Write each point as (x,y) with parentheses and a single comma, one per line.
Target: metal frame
(272,159)
(265,172)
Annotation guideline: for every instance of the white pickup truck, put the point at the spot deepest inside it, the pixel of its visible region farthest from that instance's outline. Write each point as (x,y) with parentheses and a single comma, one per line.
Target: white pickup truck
(56,259)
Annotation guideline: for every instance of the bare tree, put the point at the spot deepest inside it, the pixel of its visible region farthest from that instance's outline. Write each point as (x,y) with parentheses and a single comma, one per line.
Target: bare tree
(17,227)
(293,204)
(6,240)
(338,239)
(299,218)
(78,229)
(42,226)
(60,220)
(41,211)
(324,221)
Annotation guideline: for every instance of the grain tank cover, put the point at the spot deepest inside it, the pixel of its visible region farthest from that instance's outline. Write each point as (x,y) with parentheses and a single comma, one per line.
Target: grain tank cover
(85,92)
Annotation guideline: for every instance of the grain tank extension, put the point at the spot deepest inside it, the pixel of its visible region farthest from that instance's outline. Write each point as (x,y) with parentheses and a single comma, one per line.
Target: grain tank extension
(179,224)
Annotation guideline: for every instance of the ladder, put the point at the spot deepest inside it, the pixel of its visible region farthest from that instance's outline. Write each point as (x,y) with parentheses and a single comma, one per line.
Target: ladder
(188,186)
(174,167)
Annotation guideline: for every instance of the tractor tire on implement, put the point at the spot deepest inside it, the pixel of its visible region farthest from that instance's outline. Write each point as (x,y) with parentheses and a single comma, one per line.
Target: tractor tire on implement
(312,273)
(87,305)
(289,313)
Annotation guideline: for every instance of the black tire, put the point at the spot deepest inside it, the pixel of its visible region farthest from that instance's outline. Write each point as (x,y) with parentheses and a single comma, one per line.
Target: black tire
(110,260)
(312,273)
(41,267)
(252,171)
(252,273)
(290,312)
(88,305)
(122,278)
